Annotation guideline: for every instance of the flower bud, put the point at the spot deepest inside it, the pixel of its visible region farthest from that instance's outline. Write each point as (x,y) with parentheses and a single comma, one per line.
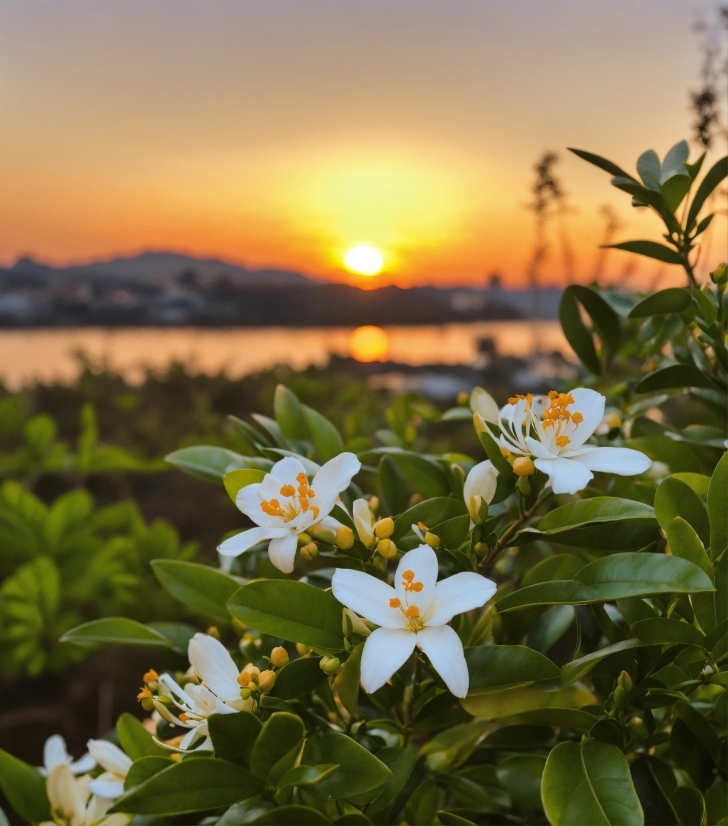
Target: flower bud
(380,562)
(625,681)
(245,693)
(433,540)
(524,466)
(303,539)
(303,649)
(151,676)
(279,656)
(620,697)
(266,681)
(720,274)
(503,452)
(243,678)
(524,486)
(344,537)
(480,548)
(213,632)
(384,528)
(164,712)
(373,503)
(309,552)
(330,665)
(386,548)
(463,398)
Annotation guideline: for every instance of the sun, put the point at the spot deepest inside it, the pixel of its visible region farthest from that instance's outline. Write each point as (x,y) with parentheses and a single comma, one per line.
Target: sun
(364,260)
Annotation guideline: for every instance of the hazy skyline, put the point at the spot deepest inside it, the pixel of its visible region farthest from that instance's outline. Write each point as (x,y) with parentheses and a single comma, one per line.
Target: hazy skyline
(283,133)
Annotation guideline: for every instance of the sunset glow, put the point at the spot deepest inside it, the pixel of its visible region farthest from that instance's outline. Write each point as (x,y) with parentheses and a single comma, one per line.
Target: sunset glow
(364,260)
(369,344)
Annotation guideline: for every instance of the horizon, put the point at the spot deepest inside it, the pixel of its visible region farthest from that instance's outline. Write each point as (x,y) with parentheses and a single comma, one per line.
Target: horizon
(275,136)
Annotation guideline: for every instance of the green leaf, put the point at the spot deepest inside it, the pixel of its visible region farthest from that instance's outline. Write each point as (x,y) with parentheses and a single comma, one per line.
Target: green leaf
(602,163)
(293,611)
(674,190)
(649,248)
(576,333)
(685,542)
(689,805)
(701,728)
(717,511)
(289,413)
(236,480)
(293,815)
(618,576)
(671,300)
(325,437)
(493,452)
(675,499)
(514,702)
(135,740)
(497,667)
(206,461)
(298,677)
(145,767)
(594,510)
(199,587)
(589,783)
(520,776)
(348,679)
(401,762)
(24,788)
(711,180)
(676,455)
(716,801)
(422,474)
(281,736)
(194,785)
(393,485)
(234,735)
(664,630)
(654,780)
(558,566)
(306,775)
(359,770)
(430,513)
(577,669)
(674,376)
(115,630)
(451,819)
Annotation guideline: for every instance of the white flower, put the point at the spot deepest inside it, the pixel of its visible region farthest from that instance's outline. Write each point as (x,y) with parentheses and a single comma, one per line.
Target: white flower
(482,403)
(413,613)
(116,765)
(556,437)
(284,505)
(71,804)
(479,487)
(55,753)
(218,692)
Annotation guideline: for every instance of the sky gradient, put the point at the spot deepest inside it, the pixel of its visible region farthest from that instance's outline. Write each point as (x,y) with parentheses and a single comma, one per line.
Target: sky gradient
(277,133)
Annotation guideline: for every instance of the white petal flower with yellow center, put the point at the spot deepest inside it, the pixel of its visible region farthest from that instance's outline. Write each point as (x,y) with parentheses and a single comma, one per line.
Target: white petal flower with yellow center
(72,804)
(555,437)
(285,504)
(116,765)
(218,692)
(55,753)
(413,613)
(479,488)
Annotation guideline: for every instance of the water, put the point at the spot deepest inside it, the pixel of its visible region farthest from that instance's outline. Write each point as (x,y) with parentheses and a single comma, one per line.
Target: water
(50,355)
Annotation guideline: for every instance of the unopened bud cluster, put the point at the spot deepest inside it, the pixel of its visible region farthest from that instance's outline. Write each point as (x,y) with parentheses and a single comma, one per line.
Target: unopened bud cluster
(330,665)
(252,681)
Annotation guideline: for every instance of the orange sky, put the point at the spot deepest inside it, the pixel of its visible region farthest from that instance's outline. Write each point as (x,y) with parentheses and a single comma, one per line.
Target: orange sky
(282,133)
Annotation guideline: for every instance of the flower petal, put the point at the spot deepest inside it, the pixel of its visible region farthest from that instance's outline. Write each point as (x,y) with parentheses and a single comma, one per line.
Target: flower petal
(83,765)
(287,471)
(621,460)
(483,403)
(367,596)
(481,481)
(422,562)
(107,785)
(109,757)
(250,498)
(55,752)
(445,650)
(540,449)
(211,661)
(385,651)
(457,594)
(565,475)
(363,521)
(591,406)
(67,793)
(282,551)
(245,540)
(334,476)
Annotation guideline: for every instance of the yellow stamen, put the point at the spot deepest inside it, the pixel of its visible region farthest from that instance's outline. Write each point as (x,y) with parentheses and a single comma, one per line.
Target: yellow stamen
(395,603)
(412,611)
(562,441)
(273,508)
(577,418)
(288,490)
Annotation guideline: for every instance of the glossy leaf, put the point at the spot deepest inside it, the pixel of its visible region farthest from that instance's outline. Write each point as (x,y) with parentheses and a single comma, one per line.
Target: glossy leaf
(520,775)
(651,249)
(496,667)
(24,788)
(206,461)
(325,437)
(496,705)
(579,668)
(664,630)
(589,782)
(711,180)
(297,678)
(292,815)
(234,735)
(717,510)
(678,456)
(675,499)
(675,376)
(689,805)
(348,679)
(279,738)
(145,767)
(602,163)
(115,630)
(289,413)
(194,785)
(671,300)
(136,740)
(430,513)
(293,611)
(359,770)
(235,480)
(199,587)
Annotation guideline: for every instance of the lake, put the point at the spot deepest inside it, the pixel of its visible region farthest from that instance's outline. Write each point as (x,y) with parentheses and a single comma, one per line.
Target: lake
(51,355)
